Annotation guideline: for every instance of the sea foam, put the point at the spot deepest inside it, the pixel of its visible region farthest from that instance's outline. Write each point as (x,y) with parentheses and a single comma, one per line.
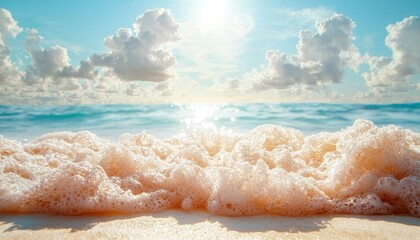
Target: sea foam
(363,169)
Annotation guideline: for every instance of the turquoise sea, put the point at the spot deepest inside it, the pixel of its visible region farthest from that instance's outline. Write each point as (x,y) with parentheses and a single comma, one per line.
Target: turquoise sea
(109,121)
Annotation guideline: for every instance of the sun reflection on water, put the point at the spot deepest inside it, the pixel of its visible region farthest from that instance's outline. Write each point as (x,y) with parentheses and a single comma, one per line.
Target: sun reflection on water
(200,114)
(210,117)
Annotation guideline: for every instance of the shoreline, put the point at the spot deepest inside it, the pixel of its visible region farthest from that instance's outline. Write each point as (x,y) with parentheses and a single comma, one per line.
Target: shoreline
(177,224)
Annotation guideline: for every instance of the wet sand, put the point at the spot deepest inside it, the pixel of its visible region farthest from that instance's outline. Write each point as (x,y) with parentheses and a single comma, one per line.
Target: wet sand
(200,225)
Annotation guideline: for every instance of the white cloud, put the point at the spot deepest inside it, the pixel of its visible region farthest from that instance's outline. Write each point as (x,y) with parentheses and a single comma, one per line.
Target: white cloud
(8,26)
(52,63)
(47,63)
(139,53)
(393,73)
(8,29)
(322,58)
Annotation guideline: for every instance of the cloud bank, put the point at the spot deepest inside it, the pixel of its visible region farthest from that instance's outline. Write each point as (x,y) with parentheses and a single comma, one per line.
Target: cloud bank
(142,53)
(324,56)
(138,64)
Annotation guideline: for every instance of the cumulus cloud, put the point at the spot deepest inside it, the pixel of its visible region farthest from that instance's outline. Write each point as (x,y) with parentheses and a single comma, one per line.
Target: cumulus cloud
(52,63)
(8,26)
(8,29)
(139,53)
(46,63)
(394,72)
(322,58)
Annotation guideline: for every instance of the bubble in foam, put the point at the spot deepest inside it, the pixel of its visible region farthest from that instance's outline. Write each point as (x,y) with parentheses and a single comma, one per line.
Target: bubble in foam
(363,169)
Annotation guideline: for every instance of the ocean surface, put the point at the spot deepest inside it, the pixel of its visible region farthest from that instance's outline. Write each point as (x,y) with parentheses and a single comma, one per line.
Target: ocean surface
(110,121)
(234,160)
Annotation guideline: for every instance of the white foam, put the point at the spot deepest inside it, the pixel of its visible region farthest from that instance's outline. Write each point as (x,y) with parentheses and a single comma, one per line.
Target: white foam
(271,170)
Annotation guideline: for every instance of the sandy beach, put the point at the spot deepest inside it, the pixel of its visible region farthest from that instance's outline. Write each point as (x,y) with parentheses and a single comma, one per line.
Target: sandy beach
(200,225)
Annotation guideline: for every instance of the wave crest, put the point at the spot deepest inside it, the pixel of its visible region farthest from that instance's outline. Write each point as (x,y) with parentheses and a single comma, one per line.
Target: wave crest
(363,169)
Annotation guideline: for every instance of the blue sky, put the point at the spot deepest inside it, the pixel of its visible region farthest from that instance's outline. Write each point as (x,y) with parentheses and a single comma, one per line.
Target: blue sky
(72,52)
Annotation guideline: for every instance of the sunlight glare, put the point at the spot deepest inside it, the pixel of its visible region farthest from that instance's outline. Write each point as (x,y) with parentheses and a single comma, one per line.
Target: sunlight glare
(200,114)
(212,13)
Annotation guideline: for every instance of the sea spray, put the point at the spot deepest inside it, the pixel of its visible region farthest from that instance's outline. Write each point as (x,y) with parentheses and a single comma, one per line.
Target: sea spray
(362,169)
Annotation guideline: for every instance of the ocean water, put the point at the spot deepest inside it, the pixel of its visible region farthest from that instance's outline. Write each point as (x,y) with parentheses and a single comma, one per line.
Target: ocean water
(110,121)
(235,160)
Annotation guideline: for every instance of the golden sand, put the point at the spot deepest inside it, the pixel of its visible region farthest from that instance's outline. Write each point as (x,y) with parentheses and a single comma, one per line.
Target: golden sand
(199,225)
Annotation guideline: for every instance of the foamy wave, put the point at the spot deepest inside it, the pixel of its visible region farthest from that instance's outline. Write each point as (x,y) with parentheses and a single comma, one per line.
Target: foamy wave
(271,170)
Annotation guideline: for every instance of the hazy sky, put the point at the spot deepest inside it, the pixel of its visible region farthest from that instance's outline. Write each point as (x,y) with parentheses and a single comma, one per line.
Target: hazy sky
(75,52)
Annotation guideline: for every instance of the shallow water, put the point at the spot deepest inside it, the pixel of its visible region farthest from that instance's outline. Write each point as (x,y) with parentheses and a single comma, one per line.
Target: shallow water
(110,121)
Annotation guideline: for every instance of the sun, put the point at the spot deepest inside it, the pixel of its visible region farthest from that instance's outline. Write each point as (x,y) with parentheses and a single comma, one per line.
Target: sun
(212,13)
